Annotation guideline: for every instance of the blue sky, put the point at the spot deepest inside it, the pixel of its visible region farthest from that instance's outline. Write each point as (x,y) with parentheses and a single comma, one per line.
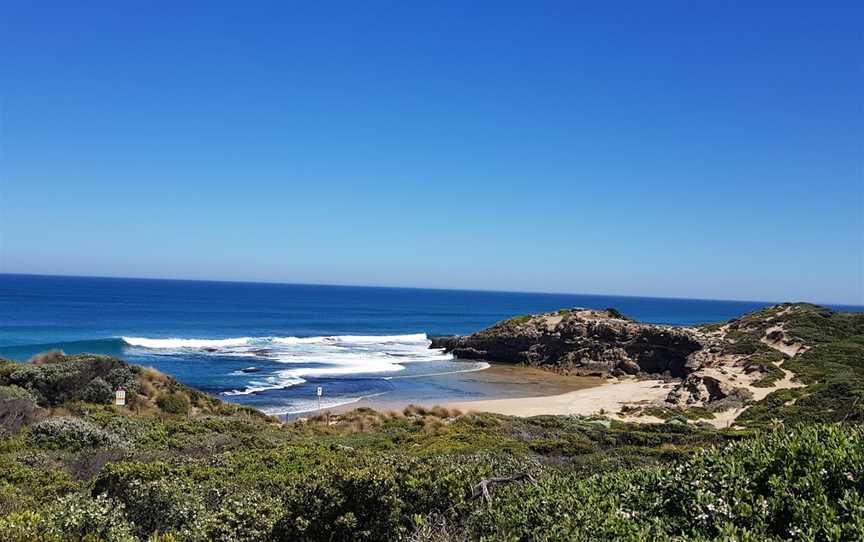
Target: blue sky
(685,149)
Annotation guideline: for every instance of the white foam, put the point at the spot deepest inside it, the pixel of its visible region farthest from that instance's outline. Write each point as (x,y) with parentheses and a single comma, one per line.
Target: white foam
(146,342)
(345,369)
(479,366)
(288,361)
(413,338)
(311,406)
(185,343)
(273,383)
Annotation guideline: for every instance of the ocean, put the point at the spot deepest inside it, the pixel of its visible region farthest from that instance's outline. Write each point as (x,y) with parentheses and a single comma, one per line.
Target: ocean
(270,346)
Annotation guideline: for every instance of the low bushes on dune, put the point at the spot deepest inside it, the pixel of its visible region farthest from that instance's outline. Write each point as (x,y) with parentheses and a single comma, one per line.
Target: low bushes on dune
(68,433)
(806,484)
(801,484)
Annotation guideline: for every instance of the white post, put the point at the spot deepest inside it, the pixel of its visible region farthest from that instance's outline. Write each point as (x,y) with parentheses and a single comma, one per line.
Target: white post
(320,393)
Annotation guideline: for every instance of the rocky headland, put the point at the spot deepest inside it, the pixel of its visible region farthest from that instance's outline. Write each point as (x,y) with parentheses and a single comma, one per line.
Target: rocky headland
(719,365)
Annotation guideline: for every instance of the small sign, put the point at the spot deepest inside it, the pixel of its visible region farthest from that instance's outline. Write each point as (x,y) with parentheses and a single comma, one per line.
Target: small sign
(120,397)
(320,391)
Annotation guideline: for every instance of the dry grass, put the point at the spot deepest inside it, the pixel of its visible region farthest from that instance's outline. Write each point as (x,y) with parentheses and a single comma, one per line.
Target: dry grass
(364,419)
(435,412)
(43,358)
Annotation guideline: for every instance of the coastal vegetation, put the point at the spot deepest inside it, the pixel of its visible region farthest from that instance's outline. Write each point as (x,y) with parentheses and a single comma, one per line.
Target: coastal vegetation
(175,464)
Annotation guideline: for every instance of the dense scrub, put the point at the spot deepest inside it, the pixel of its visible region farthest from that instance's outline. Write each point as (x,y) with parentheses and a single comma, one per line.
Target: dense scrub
(834,373)
(832,367)
(804,484)
(50,382)
(831,364)
(165,467)
(415,476)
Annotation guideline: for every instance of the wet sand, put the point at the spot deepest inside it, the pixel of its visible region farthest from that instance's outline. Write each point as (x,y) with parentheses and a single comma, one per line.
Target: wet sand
(498,382)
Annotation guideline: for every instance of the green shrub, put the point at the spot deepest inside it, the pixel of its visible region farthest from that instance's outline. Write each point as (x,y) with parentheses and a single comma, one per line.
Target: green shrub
(242,515)
(173,403)
(24,526)
(807,484)
(80,517)
(60,379)
(72,518)
(24,486)
(566,447)
(7,367)
(356,504)
(174,506)
(615,313)
(835,374)
(67,433)
(839,361)
(518,320)
(17,408)
(15,392)
(97,391)
(117,477)
(123,376)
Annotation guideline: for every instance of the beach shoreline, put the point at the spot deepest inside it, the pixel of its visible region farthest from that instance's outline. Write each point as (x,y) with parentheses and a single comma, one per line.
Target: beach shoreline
(607,398)
(499,381)
(528,391)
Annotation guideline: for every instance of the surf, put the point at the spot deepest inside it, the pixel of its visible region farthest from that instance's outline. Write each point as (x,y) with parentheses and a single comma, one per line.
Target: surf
(284,362)
(158,343)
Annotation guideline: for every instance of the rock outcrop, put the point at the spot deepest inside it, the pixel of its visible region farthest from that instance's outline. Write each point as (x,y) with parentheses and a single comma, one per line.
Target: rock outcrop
(742,357)
(582,341)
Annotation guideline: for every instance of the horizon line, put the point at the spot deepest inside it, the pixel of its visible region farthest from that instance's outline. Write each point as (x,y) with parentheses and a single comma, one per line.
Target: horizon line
(279,283)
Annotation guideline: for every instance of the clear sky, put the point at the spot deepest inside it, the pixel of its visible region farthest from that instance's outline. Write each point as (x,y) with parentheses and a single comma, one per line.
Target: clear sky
(685,149)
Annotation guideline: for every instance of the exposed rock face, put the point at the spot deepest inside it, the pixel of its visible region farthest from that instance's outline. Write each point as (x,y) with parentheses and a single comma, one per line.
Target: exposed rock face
(722,367)
(583,342)
(742,357)
(699,388)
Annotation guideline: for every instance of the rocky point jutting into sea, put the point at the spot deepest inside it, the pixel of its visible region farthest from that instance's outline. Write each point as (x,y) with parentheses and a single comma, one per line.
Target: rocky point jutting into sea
(707,363)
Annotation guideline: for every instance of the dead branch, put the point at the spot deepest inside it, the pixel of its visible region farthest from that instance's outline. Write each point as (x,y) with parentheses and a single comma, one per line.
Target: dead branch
(482,489)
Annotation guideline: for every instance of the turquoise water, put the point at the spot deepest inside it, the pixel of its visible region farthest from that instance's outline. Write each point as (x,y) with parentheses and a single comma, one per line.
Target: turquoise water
(271,345)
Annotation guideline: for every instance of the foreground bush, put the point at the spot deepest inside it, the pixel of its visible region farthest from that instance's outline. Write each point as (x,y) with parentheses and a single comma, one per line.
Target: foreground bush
(309,492)
(806,484)
(67,433)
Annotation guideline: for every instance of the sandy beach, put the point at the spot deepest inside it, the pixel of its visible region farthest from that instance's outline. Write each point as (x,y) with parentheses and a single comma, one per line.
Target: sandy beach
(499,382)
(526,391)
(607,398)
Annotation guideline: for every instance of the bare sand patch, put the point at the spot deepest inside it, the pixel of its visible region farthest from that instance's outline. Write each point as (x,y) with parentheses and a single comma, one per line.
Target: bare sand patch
(782,342)
(791,349)
(607,398)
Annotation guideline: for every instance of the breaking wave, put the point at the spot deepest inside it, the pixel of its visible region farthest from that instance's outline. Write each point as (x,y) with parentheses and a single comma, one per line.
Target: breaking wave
(174,343)
(185,343)
(294,359)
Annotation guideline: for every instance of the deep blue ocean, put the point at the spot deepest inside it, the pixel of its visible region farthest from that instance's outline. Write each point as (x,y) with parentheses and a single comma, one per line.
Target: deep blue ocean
(271,345)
